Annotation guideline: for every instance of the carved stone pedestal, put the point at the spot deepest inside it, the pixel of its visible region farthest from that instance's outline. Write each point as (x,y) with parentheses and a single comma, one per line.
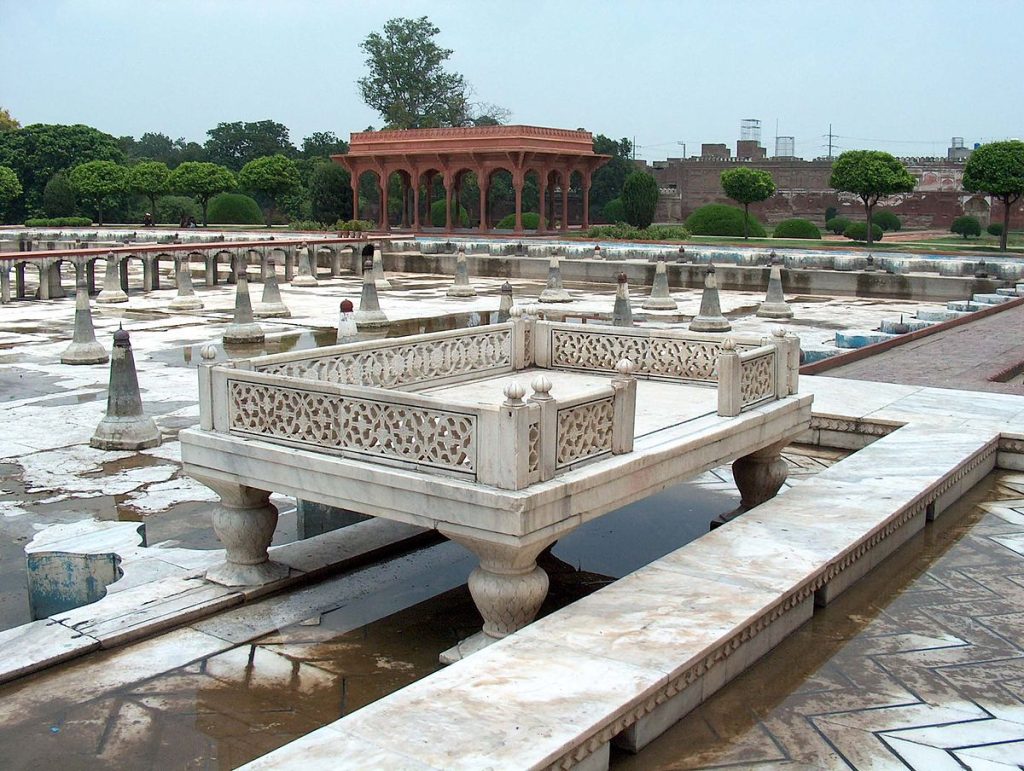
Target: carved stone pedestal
(244,523)
(758,477)
(507,586)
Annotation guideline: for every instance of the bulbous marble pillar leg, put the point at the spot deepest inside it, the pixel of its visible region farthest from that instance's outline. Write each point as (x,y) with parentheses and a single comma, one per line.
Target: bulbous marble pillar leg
(758,476)
(244,523)
(507,586)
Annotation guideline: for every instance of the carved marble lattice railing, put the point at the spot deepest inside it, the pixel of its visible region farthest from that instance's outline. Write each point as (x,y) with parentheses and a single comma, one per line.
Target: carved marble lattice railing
(407,363)
(510,446)
(656,354)
(749,378)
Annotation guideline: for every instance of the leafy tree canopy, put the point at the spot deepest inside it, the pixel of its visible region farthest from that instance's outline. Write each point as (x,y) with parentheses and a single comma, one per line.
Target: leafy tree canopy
(323,144)
(202,180)
(746,186)
(149,178)
(408,84)
(39,151)
(7,122)
(99,182)
(272,174)
(160,147)
(997,169)
(59,196)
(10,187)
(235,144)
(330,192)
(606,183)
(871,175)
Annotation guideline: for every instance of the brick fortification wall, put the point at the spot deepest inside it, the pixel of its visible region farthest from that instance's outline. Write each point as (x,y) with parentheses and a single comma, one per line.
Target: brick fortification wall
(803,191)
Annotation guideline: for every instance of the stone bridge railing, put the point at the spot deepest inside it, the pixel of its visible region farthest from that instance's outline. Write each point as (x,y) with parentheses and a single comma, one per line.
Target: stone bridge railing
(367,400)
(218,260)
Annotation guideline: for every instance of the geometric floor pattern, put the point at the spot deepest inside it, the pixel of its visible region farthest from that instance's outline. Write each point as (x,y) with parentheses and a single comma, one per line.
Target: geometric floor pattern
(920,665)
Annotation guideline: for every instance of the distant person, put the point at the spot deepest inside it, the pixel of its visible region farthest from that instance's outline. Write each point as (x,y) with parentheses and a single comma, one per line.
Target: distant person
(147,220)
(192,222)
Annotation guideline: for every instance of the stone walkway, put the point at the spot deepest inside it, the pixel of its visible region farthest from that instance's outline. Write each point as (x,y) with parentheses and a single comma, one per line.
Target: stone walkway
(964,357)
(919,665)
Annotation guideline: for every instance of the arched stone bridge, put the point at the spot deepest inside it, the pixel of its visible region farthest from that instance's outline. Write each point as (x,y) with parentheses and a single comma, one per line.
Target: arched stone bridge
(218,260)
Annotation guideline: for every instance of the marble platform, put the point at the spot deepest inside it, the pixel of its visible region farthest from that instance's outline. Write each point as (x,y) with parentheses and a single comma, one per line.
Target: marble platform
(629,660)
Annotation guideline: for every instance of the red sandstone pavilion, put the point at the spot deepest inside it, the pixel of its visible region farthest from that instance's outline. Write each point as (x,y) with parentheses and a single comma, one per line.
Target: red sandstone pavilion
(419,156)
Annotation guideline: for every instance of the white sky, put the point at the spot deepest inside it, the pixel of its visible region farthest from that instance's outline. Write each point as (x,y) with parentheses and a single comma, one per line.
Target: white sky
(898,75)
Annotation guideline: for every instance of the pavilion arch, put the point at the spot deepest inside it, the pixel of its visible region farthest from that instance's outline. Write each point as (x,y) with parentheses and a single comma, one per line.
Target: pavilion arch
(430,188)
(368,181)
(501,194)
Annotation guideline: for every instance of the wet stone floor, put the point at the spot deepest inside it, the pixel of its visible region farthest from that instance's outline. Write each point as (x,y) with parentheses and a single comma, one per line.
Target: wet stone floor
(919,665)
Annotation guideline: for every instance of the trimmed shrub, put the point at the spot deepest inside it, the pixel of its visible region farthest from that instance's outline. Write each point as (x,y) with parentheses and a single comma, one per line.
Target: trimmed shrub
(234,209)
(622,231)
(717,219)
(796,229)
(858,231)
(306,225)
(995,229)
(837,225)
(171,208)
(614,211)
(531,220)
(58,222)
(354,226)
(640,198)
(460,217)
(886,220)
(966,226)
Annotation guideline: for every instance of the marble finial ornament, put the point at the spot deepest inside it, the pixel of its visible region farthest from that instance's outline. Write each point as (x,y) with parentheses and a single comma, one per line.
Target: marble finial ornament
(125,426)
(505,304)
(514,393)
(554,292)
(186,299)
(369,313)
(710,318)
(243,329)
(775,305)
(460,286)
(622,313)
(271,304)
(84,348)
(660,299)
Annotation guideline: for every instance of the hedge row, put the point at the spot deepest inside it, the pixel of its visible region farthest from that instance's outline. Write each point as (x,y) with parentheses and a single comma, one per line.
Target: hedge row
(58,222)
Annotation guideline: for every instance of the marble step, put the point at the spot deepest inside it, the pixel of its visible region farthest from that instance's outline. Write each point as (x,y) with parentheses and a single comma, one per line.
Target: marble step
(990,299)
(858,338)
(963,305)
(940,315)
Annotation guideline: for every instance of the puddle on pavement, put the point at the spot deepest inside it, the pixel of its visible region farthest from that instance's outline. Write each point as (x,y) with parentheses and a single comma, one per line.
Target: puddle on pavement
(232,707)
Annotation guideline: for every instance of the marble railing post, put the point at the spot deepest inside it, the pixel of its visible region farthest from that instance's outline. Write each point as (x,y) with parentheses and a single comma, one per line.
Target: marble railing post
(547,444)
(787,362)
(730,401)
(504,439)
(624,417)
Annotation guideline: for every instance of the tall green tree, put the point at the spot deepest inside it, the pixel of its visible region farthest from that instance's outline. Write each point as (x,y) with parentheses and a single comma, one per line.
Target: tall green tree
(408,84)
(746,186)
(273,176)
(202,181)
(7,121)
(871,175)
(640,198)
(330,192)
(39,151)
(59,198)
(99,182)
(235,144)
(10,187)
(606,183)
(997,169)
(149,178)
(323,144)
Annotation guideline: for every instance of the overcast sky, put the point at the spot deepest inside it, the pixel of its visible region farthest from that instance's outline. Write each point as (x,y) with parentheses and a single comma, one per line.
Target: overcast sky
(898,75)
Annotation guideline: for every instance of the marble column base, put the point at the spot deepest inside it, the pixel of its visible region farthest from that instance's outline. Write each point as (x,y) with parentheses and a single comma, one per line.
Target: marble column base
(244,523)
(759,476)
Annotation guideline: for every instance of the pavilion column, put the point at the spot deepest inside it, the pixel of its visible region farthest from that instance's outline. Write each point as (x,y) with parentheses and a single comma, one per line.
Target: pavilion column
(551,208)
(449,184)
(430,198)
(383,187)
(355,196)
(542,188)
(481,181)
(517,184)
(565,201)
(416,205)
(405,203)
(586,201)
